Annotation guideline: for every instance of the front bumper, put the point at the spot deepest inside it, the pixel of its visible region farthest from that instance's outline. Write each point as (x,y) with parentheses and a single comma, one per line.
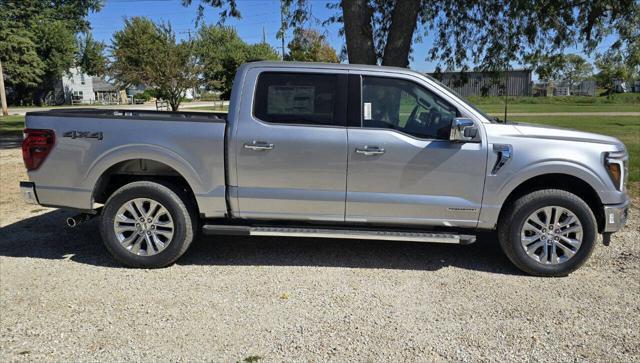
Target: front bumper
(28,191)
(615,216)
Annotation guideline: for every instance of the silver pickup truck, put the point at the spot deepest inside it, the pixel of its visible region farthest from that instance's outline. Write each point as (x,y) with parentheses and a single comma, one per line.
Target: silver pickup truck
(329,151)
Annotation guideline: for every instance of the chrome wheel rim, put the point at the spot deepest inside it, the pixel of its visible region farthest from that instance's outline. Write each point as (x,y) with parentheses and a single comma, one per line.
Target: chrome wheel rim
(551,235)
(143,227)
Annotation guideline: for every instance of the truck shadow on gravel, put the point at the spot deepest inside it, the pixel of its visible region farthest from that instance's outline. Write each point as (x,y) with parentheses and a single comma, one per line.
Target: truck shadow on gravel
(46,236)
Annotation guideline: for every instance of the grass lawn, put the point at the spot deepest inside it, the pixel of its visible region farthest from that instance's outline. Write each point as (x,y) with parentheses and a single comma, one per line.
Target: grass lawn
(11,124)
(628,102)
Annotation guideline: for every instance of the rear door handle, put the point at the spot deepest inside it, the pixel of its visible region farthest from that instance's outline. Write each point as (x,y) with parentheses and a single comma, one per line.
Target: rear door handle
(258,145)
(370,150)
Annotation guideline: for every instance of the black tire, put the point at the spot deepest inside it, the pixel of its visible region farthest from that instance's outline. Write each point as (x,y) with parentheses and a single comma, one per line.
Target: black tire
(514,218)
(182,212)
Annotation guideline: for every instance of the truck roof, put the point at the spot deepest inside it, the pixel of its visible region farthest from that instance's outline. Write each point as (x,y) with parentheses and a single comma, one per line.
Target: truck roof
(317,65)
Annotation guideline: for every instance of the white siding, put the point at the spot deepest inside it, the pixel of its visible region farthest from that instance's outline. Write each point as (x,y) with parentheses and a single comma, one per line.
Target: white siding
(78,84)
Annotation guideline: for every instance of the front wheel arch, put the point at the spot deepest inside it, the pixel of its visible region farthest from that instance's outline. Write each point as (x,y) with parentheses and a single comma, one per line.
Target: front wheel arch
(563,182)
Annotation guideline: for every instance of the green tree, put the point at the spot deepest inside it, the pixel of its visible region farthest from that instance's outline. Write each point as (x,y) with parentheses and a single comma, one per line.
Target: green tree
(612,68)
(491,34)
(308,45)
(23,68)
(574,69)
(548,66)
(90,56)
(260,52)
(221,51)
(147,53)
(57,48)
(131,48)
(37,42)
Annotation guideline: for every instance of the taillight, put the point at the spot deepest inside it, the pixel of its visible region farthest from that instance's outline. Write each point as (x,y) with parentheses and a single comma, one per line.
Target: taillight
(36,146)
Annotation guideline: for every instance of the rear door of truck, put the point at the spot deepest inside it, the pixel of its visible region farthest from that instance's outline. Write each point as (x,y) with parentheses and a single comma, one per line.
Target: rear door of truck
(291,145)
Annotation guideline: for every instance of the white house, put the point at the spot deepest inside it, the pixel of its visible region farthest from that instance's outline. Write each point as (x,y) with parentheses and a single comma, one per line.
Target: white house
(76,87)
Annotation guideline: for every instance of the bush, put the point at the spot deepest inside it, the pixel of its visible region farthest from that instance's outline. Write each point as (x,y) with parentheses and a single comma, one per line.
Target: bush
(146,95)
(210,96)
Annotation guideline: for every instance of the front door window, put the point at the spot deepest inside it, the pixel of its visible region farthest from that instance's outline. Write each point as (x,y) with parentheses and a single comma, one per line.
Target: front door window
(404,106)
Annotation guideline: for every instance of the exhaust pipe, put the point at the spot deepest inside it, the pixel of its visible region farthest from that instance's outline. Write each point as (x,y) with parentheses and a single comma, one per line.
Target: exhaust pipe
(78,219)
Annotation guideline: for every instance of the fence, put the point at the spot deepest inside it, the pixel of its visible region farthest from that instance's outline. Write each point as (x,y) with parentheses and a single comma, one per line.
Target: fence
(516,82)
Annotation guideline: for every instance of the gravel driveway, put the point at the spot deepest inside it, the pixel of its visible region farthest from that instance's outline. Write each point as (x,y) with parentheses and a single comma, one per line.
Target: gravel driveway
(274,299)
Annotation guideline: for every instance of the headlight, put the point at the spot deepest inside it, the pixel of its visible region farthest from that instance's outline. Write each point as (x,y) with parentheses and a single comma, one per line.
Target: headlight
(617,164)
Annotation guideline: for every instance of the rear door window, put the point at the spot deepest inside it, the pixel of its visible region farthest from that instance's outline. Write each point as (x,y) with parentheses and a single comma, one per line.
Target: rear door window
(299,98)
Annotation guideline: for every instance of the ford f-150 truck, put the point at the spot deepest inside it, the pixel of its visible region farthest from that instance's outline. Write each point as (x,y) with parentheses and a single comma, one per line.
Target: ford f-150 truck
(329,151)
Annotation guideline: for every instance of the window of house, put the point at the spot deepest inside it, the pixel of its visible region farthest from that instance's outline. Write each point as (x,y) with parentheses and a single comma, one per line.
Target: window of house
(297,98)
(405,106)
(82,81)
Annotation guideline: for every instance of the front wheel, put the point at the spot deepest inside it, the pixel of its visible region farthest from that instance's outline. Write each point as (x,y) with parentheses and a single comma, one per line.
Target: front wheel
(548,232)
(147,224)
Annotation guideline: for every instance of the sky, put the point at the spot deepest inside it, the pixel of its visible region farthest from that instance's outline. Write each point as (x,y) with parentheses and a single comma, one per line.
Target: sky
(257,16)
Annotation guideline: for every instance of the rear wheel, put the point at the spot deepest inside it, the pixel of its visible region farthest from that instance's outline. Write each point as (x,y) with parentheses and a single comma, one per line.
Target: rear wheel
(548,232)
(147,224)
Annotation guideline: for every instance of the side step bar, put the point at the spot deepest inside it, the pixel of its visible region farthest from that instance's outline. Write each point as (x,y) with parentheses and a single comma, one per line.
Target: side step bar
(435,237)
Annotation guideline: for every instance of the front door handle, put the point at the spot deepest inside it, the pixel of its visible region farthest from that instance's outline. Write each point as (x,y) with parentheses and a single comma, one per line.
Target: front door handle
(370,150)
(258,145)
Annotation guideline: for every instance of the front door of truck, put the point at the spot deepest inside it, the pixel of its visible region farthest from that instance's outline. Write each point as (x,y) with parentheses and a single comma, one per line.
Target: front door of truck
(402,168)
(291,146)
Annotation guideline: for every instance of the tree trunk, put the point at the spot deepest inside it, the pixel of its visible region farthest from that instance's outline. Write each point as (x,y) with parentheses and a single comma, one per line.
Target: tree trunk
(403,25)
(357,17)
(174,101)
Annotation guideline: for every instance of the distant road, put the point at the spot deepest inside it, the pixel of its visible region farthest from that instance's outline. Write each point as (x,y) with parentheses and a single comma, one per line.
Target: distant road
(147,106)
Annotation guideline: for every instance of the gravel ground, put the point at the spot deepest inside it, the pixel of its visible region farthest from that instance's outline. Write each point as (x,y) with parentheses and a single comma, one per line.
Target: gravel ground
(274,299)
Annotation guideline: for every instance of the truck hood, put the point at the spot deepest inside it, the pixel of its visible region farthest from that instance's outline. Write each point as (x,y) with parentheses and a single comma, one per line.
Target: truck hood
(559,133)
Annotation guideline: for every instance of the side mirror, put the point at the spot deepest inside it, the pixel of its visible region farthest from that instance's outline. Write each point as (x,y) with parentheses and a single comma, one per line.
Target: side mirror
(463,130)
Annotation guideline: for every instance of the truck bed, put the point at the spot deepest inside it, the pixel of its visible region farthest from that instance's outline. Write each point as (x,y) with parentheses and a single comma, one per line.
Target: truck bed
(92,144)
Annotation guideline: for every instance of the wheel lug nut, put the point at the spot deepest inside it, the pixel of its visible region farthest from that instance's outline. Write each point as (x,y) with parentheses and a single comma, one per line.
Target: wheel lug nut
(149,220)
(153,227)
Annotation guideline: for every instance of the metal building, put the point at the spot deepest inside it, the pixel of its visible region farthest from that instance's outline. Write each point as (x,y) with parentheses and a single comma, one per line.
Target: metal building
(488,83)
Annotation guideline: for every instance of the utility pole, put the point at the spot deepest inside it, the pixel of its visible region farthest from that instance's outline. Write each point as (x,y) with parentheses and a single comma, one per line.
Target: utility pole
(264,35)
(506,93)
(3,96)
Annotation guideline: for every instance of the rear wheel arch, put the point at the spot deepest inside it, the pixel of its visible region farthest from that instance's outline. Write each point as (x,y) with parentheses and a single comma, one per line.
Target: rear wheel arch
(133,170)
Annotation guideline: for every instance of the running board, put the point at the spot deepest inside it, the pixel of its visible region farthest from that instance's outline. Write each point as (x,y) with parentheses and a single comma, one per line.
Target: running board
(463,239)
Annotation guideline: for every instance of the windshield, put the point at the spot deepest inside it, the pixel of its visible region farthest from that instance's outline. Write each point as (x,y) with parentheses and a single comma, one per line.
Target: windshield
(490,118)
